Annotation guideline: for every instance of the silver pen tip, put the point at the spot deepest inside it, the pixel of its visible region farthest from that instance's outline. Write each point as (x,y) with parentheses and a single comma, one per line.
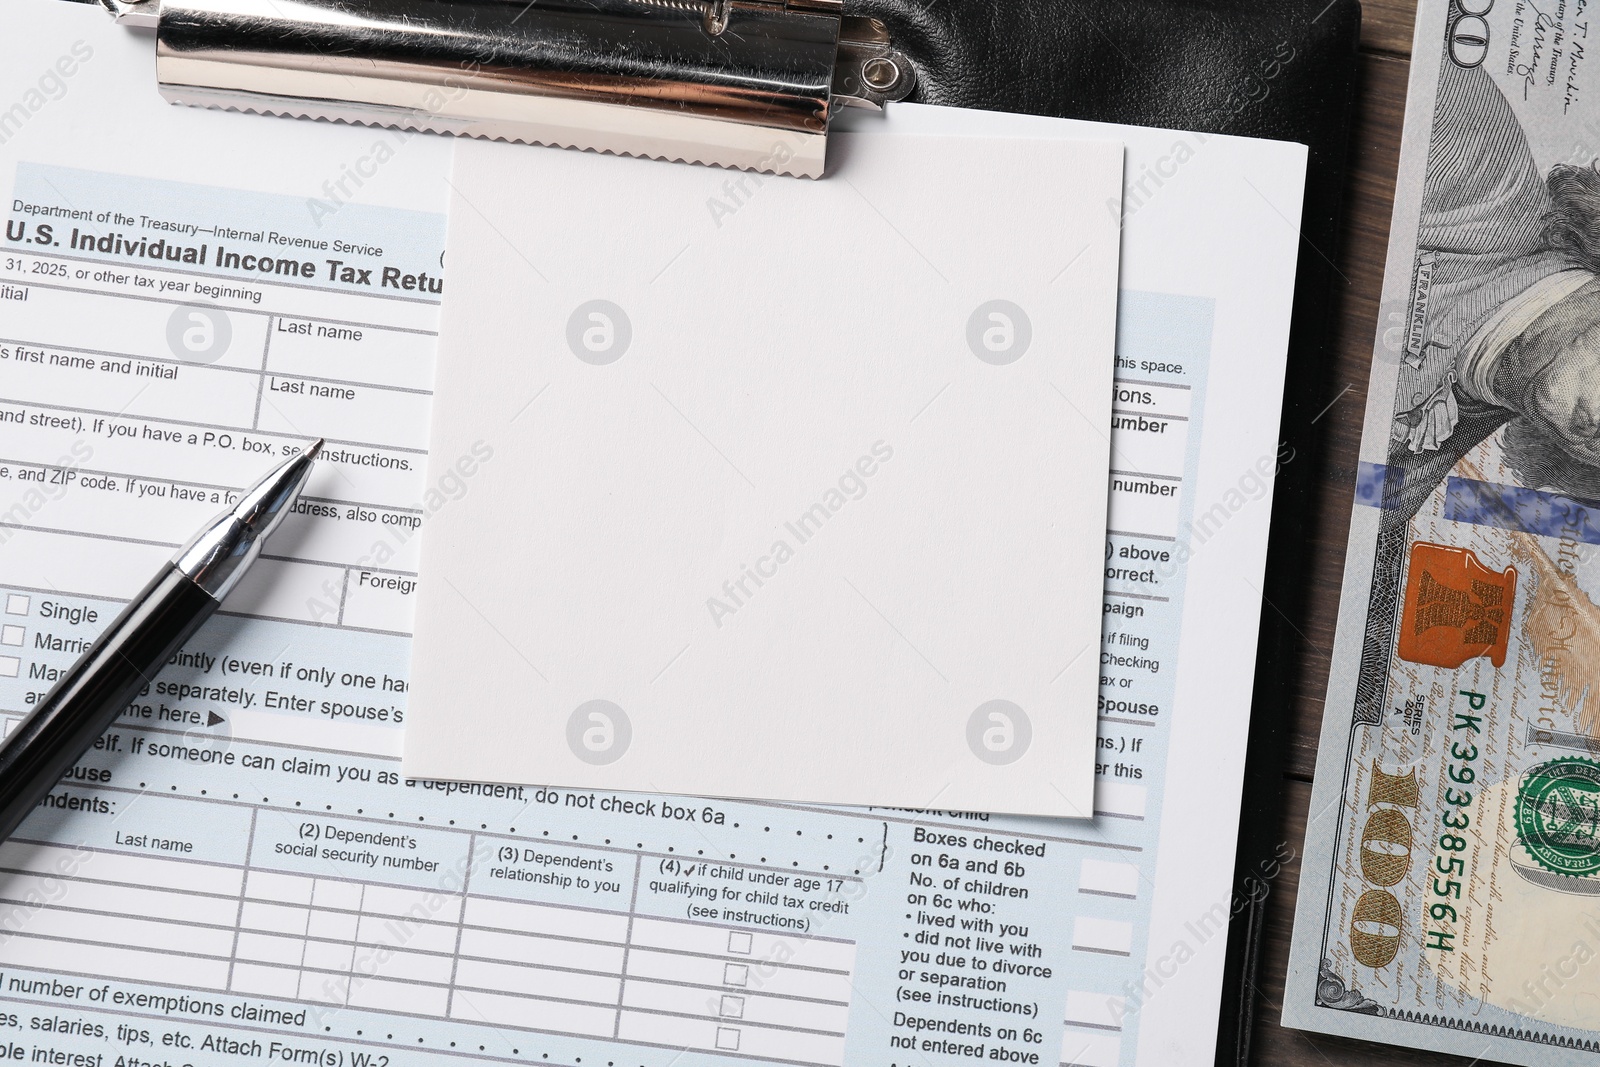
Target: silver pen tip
(219,554)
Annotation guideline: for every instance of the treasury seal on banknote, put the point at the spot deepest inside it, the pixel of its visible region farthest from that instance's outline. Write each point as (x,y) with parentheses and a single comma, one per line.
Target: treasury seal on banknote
(1558,816)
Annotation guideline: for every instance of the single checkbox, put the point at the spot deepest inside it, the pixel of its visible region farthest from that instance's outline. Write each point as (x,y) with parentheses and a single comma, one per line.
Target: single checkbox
(732,1008)
(16,604)
(11,635)
(735,974)
(739,942)
(10,666)
(727,1039)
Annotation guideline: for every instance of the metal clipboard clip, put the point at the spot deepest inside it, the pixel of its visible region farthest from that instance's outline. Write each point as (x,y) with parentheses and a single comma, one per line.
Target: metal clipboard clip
(750,84)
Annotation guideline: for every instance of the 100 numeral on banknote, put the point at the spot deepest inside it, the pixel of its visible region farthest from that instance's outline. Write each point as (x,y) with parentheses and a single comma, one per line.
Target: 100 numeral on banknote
(1451,894)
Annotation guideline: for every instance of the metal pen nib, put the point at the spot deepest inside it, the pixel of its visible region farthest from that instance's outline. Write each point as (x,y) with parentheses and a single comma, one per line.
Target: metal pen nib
(217,556)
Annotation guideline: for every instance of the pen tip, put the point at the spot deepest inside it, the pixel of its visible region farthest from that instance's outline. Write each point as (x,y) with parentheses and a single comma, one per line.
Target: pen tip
(313,448)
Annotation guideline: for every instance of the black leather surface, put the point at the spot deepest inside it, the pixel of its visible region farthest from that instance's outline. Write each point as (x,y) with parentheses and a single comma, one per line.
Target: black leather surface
(1283,69)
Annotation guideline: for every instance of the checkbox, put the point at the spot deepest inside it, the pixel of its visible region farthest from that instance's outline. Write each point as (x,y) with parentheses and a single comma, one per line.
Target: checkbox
(732,1008)
(10,666)
(737,942)
(11,635)
(727,1039)
(735,974)
(16,604)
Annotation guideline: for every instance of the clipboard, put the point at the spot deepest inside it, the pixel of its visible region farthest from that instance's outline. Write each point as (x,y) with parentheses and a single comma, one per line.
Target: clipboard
(1285,70)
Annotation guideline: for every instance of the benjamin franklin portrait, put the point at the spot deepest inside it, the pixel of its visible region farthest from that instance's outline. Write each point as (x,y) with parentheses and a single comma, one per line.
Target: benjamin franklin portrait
(1505,327)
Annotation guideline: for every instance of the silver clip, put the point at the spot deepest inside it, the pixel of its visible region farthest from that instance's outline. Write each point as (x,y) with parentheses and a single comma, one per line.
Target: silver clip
(750,84)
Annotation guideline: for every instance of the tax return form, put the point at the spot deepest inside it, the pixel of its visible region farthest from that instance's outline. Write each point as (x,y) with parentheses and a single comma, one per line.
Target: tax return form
(239,874)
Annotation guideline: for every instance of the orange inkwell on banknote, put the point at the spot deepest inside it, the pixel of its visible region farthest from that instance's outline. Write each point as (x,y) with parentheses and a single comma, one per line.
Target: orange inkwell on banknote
(1455,608)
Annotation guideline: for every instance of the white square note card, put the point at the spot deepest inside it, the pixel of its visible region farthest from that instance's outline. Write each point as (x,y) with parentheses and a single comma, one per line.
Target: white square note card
(759,487)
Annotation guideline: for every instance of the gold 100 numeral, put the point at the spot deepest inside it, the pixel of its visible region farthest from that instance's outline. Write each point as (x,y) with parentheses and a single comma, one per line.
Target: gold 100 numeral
(1385,857)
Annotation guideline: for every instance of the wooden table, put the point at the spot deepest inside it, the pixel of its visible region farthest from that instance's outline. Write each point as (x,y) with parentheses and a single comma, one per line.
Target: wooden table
(1369,198)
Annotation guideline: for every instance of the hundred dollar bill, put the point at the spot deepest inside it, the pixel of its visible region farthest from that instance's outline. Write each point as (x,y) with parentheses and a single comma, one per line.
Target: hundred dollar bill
(1451,891)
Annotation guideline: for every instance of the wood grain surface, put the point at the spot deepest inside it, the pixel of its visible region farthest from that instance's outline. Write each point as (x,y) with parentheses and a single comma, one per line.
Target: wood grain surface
(1369,196)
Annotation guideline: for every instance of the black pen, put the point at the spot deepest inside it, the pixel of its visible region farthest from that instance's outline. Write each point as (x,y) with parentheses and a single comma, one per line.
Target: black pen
(138,643)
